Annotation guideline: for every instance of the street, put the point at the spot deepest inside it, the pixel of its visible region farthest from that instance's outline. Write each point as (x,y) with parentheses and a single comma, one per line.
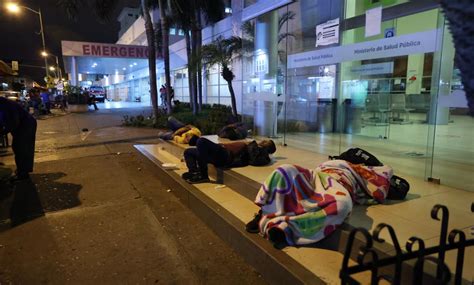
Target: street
(96,213)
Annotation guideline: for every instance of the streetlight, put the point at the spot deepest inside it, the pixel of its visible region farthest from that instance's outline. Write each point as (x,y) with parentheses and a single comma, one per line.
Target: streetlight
(15,8)
(45,54)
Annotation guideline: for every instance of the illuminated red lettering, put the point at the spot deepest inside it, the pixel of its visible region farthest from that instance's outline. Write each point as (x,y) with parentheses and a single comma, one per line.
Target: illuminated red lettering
(140,52)
(86,50)
(95,50)
(131,51)
(123,51)
(106,50)
(113,51)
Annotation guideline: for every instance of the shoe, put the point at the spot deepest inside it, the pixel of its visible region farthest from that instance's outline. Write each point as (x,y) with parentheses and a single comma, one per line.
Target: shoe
(188,175)
(198,178)
(253,225)
(19,178)
(277,238)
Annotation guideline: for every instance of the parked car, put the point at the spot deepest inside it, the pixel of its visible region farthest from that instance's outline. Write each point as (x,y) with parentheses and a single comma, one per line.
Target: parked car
(98,92)
(12,95)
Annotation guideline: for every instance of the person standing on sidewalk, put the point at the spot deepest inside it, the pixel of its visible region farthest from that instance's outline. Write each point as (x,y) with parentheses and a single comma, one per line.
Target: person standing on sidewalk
(22,126)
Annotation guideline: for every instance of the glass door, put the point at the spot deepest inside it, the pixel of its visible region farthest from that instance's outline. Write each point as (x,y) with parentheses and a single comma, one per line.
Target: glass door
(386,98)
(451,139)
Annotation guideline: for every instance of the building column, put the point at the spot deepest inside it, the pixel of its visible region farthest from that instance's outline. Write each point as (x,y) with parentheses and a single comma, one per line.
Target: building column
(73,75)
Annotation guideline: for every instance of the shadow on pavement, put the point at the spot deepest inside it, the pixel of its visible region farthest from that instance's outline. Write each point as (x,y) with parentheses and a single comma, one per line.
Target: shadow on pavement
(27,200)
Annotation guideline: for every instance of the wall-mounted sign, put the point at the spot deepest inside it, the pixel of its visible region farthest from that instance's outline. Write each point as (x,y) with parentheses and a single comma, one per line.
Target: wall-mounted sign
(373,68)
(389,33)
(421,42)
(103,50)
(327,33)
(373,21)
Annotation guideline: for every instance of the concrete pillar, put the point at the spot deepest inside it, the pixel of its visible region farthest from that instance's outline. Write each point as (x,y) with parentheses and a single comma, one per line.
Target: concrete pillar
(74,80)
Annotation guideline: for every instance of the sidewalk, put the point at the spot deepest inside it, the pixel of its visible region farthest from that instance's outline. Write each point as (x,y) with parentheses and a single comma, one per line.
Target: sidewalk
(96,214)
(410,217)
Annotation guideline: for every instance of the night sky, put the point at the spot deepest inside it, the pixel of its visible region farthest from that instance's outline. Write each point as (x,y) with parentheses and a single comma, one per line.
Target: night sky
(21,41)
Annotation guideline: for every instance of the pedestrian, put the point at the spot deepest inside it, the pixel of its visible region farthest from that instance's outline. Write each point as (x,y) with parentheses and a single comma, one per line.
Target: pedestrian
(22,126)
(163,95)
(46,102)
(34,100)
(235,154)
(91,100)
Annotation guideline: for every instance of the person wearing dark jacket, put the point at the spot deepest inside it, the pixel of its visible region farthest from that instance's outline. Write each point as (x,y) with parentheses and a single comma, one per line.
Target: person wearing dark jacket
(235,154)
(22,126)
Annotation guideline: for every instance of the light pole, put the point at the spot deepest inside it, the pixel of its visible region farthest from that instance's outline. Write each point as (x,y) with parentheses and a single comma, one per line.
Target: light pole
(45,54)
(15,8)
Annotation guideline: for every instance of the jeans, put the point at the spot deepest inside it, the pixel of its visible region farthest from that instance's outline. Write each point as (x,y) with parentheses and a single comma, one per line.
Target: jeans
(205,152)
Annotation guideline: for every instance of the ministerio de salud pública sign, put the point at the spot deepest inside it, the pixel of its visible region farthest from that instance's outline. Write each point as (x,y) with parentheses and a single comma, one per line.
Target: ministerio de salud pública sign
(416,43)
(70,48)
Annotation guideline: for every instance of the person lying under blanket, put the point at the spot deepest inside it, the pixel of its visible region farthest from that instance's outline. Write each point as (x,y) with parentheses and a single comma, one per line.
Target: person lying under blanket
(301,206)
(180,132)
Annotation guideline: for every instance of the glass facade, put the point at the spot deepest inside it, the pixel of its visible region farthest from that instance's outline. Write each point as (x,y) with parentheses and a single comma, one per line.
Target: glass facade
(180,83)
(312,77)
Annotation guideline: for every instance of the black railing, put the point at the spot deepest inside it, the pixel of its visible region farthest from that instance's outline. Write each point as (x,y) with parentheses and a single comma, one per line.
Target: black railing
(389,267)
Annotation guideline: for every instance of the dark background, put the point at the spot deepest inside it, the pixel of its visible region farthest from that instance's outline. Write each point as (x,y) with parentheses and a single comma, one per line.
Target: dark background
(20,39)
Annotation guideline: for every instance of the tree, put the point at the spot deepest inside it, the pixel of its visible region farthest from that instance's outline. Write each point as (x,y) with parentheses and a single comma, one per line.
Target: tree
(165,29)
(190,15)
(150,36)
(460,14)
(222,52)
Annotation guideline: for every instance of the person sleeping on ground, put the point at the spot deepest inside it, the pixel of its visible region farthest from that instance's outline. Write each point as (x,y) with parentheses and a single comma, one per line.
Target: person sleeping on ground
(235,154)
(180,132)
(301,206)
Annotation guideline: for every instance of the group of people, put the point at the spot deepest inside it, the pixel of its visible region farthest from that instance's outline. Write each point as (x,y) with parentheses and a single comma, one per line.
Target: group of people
(297,205)
(163,93)
(228,155)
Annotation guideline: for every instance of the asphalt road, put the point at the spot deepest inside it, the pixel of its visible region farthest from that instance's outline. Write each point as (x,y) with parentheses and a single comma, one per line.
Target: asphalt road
(95,214)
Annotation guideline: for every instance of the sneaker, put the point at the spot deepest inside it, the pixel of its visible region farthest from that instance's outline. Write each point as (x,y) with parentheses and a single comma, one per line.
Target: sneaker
(198,178)
(253,225)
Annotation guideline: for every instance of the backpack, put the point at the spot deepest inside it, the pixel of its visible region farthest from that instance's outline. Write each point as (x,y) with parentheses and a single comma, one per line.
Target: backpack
(258,156)
(236,131)
(358,156)
(399,188)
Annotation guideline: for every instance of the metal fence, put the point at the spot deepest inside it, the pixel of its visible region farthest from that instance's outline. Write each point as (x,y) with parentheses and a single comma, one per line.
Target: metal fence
(370,259)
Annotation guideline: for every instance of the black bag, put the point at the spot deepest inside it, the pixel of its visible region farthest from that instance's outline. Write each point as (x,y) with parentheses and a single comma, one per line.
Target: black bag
(236,131)
(399,188)
(258,156)
(358,156)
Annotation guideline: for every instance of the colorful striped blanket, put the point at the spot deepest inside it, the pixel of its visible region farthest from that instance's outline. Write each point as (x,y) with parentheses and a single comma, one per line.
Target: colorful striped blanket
(308,205)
